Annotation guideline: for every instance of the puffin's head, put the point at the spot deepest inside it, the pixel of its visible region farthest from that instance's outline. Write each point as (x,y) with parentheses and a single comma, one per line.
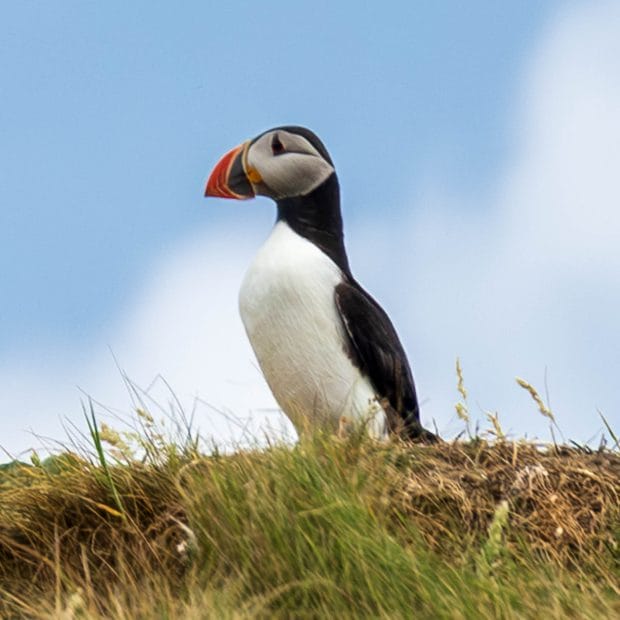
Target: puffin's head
(284,162)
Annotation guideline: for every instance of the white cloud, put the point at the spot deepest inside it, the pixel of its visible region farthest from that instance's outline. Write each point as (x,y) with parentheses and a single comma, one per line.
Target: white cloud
(182,326)
(526,281)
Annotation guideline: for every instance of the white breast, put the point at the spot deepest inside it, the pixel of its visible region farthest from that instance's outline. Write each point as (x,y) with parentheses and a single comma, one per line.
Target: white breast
(289,311)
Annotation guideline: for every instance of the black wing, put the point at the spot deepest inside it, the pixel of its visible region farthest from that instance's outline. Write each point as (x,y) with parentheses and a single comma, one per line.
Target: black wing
(375,349)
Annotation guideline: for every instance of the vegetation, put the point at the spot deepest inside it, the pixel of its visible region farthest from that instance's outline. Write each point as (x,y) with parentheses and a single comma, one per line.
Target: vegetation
(147,527)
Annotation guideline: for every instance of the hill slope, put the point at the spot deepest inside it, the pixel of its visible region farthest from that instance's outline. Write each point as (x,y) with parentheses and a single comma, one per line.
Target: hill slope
(329,527)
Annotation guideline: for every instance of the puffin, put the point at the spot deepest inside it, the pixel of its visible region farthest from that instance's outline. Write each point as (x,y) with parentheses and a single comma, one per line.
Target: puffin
(328,351)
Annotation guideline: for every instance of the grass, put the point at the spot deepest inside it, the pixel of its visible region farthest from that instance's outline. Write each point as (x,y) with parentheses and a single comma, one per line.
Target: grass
(331,527)
(143,525)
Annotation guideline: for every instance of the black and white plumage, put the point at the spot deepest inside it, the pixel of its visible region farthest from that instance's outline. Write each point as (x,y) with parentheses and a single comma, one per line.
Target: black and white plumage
(326,348)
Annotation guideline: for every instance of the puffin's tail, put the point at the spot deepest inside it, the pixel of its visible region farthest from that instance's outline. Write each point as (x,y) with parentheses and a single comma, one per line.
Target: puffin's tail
(416,432)
(409,428)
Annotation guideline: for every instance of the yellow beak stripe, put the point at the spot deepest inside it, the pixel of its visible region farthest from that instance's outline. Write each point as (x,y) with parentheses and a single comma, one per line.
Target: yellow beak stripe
(253,175)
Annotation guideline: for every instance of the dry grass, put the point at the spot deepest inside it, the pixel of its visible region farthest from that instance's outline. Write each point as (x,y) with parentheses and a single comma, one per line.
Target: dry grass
(563,502)
(62,528)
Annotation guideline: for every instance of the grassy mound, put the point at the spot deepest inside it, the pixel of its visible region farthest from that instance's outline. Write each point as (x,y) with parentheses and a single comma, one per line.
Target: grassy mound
(328,528)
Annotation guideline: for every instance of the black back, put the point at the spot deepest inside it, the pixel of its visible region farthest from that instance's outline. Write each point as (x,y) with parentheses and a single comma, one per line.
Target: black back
(374,347)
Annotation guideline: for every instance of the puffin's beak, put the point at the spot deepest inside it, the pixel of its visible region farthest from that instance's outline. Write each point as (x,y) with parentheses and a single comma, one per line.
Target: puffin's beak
(229,178)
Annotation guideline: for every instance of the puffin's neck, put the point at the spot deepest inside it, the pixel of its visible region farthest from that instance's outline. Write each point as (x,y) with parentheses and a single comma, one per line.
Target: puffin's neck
(317,217)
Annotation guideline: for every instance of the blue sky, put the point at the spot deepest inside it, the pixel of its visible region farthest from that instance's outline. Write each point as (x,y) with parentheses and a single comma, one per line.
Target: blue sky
(435,114)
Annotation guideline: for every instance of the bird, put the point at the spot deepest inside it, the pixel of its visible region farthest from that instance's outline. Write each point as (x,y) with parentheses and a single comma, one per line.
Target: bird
(328,351)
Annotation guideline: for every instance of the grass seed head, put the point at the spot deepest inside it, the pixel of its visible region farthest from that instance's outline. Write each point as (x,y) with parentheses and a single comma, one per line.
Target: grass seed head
(536,398)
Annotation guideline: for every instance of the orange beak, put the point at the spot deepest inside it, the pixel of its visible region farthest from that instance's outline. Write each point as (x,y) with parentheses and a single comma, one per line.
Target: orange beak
(229,178)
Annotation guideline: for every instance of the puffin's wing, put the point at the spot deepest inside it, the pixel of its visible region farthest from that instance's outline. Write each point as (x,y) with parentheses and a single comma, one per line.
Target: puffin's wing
(375,349)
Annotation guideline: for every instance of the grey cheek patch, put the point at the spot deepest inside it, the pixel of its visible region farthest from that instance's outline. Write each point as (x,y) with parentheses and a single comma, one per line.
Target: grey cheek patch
(297,171)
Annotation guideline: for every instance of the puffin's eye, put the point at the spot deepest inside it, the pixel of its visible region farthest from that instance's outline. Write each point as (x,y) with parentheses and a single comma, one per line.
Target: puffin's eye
(276,146)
